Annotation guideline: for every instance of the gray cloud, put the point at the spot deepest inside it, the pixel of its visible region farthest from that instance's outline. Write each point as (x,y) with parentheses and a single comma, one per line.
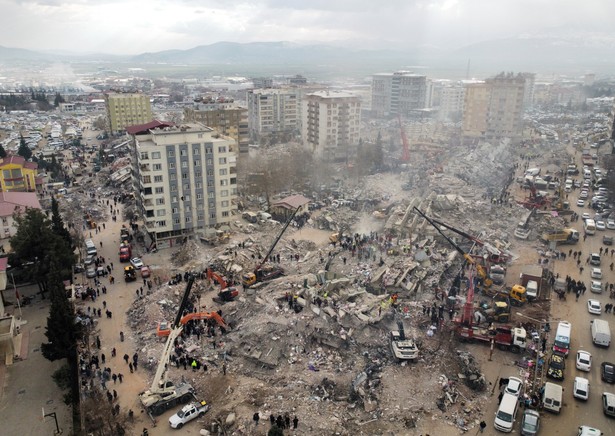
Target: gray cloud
(133,26)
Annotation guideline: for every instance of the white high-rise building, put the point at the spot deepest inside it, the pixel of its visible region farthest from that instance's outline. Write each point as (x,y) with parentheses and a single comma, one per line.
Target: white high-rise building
(185,177)
(331,123)
(399,93)
(272,111)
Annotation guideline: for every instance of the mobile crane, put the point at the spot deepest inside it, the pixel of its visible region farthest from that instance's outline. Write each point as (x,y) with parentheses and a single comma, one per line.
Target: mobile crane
(164,328)
(487,282)
(164,394)
(259,274)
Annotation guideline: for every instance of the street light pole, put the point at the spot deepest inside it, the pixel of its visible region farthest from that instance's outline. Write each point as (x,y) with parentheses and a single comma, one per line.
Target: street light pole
(16,295)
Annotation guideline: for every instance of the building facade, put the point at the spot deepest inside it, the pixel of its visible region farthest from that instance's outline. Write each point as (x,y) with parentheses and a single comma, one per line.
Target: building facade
(17,174)
(185,178)
(225,118)
(127,109)
(399,93)
(331,124)
(493,109)
(272,111)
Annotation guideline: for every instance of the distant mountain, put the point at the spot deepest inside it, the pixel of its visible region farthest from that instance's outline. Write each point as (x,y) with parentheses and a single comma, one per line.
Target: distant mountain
(20,54)
(281,53)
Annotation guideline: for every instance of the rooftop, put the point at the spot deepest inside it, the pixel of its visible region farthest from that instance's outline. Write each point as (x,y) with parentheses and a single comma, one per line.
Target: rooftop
(145,128)
(17,201)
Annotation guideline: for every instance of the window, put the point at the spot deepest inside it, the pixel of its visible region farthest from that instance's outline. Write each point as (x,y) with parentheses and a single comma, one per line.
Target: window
(210,183)
(225,213)
(195,151)
(212,204)
(171,153)
(159,201)
(222,160)
(187,209)
(224,203)
(212,216)
(174,188)
(161,223)
(172,177)
(233,180)
(197,163)
(174,199)
(200,217)
(197,174)
(159,190)
(147,179)
(175,210)
(144,155)
(176,220)
(157,167)
(161,212)
(5,221)
(222,149)
(199,196)
(186,187)
(224,193)
(211,194)
(199,185)
(183,152)
(187,198)
(171,165)
(157,179)
(184,164)
(223,171)
(223,182)
(155,155)
(209,161)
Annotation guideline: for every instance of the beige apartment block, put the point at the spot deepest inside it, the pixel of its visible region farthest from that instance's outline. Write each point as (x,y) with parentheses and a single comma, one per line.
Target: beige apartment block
(127,109)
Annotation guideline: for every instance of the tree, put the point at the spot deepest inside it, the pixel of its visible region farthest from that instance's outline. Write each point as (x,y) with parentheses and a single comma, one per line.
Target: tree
(2,152)
(58,99)
(57,224)
(35,246)
(63,331)
(24,151)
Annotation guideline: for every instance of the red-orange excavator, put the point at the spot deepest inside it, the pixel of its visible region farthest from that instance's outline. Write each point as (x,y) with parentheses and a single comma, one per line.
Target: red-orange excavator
(226,293)
(164,329)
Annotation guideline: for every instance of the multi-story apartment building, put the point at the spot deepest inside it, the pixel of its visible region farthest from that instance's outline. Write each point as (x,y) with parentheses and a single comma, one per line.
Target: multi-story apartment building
(272,111)
(227,119)
(127,109)
(399,93)
(185,179)
(494,109)
(17,174)
(331,124)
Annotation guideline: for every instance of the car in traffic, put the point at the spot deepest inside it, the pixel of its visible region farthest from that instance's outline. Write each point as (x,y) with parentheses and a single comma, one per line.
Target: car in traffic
(594,307)
(584,361)
(145,272)
(596,273)
(600,225)
(580,202)
(580,388)
(530,423)
(607,372)
(585,216)
(583,196)
(556,368)
(596,287)
(136,262)
(607,240)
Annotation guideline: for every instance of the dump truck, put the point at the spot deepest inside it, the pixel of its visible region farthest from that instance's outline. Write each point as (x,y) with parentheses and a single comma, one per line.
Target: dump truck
(564,236)
(532,273)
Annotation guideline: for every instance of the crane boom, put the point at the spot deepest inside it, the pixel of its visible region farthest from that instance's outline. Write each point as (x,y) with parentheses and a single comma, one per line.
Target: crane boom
(176,329)
(260,265)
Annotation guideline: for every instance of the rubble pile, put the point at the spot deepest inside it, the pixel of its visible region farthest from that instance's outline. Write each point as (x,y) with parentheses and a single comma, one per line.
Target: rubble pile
(470,371)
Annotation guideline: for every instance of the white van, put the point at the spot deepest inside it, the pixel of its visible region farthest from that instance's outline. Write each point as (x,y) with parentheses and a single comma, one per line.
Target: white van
(589,226)
(601,332)
(552,397)
(90,248)
(505,416)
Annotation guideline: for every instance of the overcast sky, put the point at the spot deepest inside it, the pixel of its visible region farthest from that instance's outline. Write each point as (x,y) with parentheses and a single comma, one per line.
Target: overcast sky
(136,26)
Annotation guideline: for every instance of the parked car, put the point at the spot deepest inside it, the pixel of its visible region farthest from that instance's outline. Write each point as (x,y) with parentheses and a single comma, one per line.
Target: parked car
(607,372)
(596,287)
(556,368)
(600,225)
(586,430)
(580,388)
(596,273)
(610,224)
(145,271)
(90,273)
(581,202)
(584,361)
(514,386)
(607,240)
(594,307)
(530,423)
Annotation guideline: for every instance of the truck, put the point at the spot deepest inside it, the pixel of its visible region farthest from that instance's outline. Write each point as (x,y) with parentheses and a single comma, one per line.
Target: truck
(563,237)
(504,337)
(163,393)
(403,348)
(532,273)
(188,413)
(125,252)
(601,333)
(129,274)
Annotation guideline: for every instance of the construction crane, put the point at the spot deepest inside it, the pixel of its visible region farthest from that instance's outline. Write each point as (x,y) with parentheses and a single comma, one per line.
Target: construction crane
(164,394)
(487,282)
(261,275)
(405,154)
(495,255)
(164,328)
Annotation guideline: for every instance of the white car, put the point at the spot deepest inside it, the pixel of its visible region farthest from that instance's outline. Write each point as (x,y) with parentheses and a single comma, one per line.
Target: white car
(581,388)
(581,203)
(594,307)
(583,196)
(596,273)
(136,262)
(596,287)
(514,386)
(584,361)
(610,224)
(600,225)
(586,430)
(585,216)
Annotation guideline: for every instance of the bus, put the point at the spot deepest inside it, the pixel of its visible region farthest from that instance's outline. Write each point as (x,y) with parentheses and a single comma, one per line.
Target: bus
(589,226)
(561,344)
